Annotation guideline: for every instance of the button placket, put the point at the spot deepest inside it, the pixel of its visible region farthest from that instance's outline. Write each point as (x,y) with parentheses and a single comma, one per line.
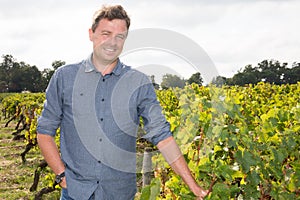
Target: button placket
(102,97)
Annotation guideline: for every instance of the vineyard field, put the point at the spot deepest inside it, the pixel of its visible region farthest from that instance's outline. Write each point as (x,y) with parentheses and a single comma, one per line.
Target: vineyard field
(240,142)
(16,177)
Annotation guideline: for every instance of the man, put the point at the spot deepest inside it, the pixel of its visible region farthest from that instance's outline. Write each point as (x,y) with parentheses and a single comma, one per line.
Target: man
(97,104)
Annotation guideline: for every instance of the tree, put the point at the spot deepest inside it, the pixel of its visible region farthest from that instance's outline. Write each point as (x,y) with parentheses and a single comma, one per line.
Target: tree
(195,78)
(272,71)
(6,72)
(219,81)
(57,63)
(31,79)
(25,78)
(172,81)
(18,76)
(155,85)
(14,77)
(248,75)
(292,75)
(47,73)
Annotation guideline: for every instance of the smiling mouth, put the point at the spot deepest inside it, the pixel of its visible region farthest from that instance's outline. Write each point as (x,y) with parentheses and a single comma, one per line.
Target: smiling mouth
(110,50)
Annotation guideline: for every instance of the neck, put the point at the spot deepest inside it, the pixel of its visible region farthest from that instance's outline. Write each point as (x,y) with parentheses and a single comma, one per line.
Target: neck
(104,68)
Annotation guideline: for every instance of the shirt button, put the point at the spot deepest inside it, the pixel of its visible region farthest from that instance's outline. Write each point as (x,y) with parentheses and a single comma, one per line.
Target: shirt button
(101,119)
(99,161)
(103,80)
(102,99)
(100,140)
(98,182)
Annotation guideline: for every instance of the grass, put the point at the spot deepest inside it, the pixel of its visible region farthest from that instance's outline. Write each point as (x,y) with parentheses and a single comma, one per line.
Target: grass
(16,177)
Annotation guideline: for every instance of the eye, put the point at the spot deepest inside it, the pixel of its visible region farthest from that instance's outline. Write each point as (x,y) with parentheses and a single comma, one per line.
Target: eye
(105,33)
(122,37)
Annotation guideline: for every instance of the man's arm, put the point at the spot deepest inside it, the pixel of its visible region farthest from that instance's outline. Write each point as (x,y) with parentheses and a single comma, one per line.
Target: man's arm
(173,156)
(51,155)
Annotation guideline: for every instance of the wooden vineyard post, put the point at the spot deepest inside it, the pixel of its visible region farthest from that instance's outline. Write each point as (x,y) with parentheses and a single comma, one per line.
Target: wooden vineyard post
(147,166)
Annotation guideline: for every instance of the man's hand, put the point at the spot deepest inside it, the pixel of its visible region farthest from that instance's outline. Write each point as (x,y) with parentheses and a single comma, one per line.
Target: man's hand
(51,154)
(200,193)
(63,183)
(173,156)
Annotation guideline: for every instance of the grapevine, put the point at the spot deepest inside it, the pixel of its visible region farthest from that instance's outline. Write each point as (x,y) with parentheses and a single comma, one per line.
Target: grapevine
(239,142)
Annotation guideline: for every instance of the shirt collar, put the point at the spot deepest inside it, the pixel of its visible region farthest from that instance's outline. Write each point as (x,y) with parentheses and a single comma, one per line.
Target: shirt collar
(89,66)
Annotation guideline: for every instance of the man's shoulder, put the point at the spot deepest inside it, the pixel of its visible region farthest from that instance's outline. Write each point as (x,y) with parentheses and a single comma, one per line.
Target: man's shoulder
(134,71)
(67,71)
(69,67)
(133,76)
(129,71)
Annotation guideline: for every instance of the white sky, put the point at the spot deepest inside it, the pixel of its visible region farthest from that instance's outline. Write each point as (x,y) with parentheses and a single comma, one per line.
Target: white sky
(233,33)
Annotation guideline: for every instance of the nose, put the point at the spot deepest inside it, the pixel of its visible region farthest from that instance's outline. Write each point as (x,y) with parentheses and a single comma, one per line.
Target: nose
(112,41)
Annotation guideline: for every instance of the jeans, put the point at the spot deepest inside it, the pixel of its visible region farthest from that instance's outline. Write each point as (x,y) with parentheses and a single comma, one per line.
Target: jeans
(65,195)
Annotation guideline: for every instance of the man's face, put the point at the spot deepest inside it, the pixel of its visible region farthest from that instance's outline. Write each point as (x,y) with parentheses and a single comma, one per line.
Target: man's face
(108,40)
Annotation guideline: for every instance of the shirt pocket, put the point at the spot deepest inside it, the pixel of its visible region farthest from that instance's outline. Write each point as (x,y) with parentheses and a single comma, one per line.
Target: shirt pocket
(81,104)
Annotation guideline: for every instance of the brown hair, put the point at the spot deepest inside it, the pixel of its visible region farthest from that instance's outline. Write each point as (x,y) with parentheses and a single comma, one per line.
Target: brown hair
(110,13)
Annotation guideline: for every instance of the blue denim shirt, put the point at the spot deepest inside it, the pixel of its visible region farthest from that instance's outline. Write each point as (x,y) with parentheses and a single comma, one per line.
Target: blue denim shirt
(98,117)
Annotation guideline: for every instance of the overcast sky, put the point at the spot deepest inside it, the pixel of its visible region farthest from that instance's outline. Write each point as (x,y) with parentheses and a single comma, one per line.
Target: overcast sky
(233,33)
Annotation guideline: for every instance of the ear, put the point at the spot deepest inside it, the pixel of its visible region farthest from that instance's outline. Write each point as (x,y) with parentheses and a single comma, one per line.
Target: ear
(91,34)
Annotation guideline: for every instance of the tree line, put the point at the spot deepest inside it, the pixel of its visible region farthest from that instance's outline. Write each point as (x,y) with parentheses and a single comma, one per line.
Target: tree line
(19,76)
(270,71)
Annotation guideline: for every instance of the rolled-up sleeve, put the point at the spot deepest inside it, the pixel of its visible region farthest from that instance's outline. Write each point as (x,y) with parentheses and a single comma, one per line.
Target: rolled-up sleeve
(50,119)
(155,123)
